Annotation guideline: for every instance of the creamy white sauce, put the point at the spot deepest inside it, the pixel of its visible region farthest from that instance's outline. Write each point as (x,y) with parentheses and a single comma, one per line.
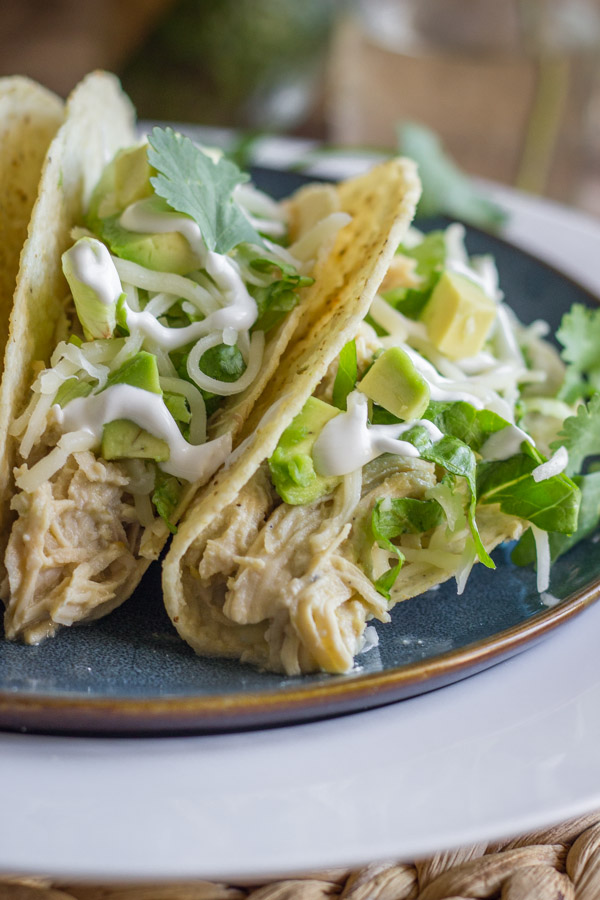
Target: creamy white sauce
(147,410)
(240,310)
(92,266)
(347,442)
(505,443)
(142,217)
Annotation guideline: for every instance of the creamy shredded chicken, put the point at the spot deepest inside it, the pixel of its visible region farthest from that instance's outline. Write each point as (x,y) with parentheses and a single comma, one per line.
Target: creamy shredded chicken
(72,550)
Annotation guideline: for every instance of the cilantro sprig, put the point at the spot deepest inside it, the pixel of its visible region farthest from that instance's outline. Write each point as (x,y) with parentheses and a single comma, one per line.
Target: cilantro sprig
(191,183)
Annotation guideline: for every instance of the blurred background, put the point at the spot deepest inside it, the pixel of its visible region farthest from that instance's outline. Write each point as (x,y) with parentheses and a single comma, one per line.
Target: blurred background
(512,87)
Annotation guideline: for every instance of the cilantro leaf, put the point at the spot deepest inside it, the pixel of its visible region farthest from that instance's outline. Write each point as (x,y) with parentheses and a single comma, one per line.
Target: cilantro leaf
(581,435)
(579,333)
(346,375)
(193,184)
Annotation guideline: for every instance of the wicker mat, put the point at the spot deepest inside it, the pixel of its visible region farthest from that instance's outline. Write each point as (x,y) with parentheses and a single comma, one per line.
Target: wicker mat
(558,863)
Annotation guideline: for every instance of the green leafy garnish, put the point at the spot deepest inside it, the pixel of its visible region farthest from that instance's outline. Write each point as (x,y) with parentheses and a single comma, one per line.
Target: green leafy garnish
(275,300)
(589,515)
(463,421)
(579,333)
(457,458)
(446,190)
(71,389)
(552,504)
(581,435)
(193,184)
(166,496)
(392,517)
(347,373)
(430,256)
(178,407)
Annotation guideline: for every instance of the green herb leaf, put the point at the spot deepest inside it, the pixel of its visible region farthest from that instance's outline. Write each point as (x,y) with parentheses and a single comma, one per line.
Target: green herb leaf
(463,421)
(347,373)
(392,517)
(166,497)
(579,333)
(430,256)
(552,505)
(581,435)
(589,517)
(446,189)
(457,458)
(193,184)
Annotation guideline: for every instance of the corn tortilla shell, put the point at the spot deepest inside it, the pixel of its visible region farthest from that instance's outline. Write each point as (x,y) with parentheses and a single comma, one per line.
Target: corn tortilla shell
(382,205)
(99,120)
(30,116)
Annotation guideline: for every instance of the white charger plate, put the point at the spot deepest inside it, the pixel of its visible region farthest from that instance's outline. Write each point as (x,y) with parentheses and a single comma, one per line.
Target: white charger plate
(516,747)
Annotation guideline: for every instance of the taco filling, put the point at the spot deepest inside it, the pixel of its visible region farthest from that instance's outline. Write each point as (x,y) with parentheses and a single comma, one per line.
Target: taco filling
(430,440)
(185,285)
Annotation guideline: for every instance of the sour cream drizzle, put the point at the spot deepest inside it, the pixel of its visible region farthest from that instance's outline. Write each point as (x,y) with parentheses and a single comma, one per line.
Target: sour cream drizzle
(93,266)
(142,217)
(147,410)
(347,442)
(239,311)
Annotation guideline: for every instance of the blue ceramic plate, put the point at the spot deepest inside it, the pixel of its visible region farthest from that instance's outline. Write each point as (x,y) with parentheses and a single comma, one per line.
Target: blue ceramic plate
(130,673)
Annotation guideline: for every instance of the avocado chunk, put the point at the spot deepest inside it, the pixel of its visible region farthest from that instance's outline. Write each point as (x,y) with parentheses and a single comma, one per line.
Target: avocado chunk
(140,371)
(95,286)
(292,468)
(123,439)
(124,180)
(394,383)
(166,252)
(458,316)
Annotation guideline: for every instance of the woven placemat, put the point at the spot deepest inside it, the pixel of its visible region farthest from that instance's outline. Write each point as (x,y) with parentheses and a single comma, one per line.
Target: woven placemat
(557,863)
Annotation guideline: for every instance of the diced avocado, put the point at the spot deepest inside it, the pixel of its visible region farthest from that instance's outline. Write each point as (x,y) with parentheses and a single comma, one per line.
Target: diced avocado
(458,316)
(123,439)
(394,383)
(95,286)
(140,371)
(123,181)
(291,465)
(167,252)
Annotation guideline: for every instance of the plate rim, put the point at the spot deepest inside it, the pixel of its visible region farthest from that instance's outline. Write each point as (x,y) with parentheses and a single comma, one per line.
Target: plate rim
(210,713)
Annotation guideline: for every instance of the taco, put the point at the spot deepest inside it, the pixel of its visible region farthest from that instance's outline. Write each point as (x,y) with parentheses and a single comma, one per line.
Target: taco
(390,462)
(184,287)
(29,118)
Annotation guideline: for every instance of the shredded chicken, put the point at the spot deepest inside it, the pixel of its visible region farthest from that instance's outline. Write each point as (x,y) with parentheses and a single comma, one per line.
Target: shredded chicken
(72,550)
(294,582)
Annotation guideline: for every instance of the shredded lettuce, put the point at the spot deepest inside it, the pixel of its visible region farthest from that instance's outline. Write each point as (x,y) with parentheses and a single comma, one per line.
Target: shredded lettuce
(392,517)
(430,256)
(457,458)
